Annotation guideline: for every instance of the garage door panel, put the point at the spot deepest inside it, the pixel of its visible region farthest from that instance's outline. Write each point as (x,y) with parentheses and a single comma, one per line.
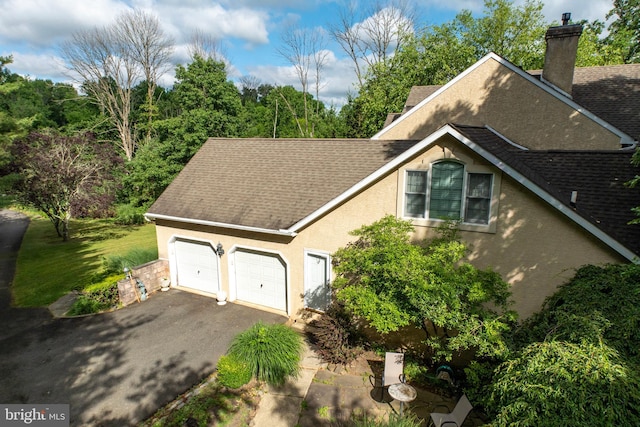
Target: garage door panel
(261,279)
(196,265)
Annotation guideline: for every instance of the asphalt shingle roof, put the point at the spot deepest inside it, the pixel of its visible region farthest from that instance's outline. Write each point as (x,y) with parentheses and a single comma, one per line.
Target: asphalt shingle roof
(598,177)
(270,183)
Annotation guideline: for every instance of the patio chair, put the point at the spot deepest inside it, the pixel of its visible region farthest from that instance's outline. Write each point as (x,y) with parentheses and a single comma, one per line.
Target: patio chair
(455,417)
(393,372)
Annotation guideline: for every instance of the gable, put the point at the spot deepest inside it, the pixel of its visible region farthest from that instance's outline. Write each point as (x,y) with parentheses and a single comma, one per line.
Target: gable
(495,93)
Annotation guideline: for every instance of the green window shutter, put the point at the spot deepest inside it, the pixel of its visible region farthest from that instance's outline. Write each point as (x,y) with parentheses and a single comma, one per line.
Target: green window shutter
(445,201)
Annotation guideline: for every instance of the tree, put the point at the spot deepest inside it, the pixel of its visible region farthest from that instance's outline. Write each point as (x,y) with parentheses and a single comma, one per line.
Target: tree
(110,61)
(439,53)
(151,50)
(576,361)
(369,35)
(64,176)
(390,282)
(624,30)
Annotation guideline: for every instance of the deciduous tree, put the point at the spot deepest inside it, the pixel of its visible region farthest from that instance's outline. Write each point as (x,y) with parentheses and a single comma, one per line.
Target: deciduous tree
(391,282)
(64,176)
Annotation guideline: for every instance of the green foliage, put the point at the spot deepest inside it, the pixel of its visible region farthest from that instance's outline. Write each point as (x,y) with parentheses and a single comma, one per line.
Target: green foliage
(336,336)
(116,263)
(233,372)
(97,297)
(272,352)
(394,420)
(390,282)
(600,303)
(129,215)
(558,383)
(575,362)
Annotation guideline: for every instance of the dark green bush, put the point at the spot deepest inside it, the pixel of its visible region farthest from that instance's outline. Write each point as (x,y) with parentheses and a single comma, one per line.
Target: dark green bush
(233,373)
(564,384)
(97,298)
(394,420)
(336,337)
(272,352)
(130,215)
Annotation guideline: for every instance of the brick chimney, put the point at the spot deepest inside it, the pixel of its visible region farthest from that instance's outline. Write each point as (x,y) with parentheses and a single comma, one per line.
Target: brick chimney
(560,57)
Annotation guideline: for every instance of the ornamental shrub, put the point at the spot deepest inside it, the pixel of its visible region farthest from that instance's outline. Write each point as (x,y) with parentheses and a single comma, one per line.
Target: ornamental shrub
(233,373)
(558,383)
(272,352)
(336,336)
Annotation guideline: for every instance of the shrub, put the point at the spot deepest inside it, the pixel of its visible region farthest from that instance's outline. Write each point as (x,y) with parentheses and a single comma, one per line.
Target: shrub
(116,263)
(97,297)
(233,373)
(272,352)
(560,383)
(335,336)
(394,420)
(129,215)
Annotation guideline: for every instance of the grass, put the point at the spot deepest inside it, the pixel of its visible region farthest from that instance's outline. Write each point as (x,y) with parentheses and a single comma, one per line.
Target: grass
(48,268)
(208,404)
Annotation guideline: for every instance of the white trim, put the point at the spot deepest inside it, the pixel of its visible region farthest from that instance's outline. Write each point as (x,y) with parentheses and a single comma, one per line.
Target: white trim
(570,213)
(233,286)
(392,165)
(151,216)
(448,129)
(320,254)
(624,138)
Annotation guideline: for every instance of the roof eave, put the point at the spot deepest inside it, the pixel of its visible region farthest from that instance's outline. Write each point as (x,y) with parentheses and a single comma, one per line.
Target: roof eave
(281,232)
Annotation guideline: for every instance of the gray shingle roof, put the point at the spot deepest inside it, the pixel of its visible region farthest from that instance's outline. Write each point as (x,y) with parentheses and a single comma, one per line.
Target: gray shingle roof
(598,177)
(270,183)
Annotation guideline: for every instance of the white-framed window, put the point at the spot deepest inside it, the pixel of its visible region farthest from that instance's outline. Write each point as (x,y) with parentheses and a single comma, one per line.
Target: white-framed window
(448,191)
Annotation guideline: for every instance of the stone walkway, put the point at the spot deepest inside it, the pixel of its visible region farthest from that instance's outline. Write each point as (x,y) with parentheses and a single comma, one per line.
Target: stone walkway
(321,396)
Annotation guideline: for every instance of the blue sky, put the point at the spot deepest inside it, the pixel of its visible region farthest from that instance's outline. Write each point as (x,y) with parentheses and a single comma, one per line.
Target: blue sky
(247,31)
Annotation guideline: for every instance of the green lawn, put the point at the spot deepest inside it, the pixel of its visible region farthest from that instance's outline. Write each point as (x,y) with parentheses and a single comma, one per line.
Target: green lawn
(48,268)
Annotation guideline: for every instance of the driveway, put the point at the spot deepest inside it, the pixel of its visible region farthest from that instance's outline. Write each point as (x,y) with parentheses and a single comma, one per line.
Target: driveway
(116,369)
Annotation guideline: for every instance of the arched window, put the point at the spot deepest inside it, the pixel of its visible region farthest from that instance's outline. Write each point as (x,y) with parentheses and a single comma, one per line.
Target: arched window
(451,193)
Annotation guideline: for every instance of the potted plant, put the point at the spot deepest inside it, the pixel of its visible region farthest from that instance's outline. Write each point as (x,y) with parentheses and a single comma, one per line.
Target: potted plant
(165,284)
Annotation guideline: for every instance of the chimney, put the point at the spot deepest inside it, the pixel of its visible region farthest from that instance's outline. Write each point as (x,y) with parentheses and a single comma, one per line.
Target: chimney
(560,57)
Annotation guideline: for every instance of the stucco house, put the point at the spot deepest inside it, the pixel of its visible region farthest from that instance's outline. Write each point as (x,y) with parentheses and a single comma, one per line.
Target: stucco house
(533,163)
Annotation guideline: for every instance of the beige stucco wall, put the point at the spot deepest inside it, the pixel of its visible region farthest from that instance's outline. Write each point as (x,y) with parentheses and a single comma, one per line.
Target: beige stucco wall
(533,246)
(493,95)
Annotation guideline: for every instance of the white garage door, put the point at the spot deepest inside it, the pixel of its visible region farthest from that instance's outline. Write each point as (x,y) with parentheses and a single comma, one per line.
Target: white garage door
(197,265)
(261,279)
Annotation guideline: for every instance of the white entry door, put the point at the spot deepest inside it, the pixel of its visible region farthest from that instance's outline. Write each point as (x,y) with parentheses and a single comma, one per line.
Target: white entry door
(197,265)
(261,279)
(317,293)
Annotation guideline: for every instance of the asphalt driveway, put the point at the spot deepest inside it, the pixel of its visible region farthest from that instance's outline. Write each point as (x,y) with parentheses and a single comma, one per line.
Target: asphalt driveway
(116,369)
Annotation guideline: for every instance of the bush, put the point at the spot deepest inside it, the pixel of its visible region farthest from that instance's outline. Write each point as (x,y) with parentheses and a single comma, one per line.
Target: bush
(564,384)
(272,352)
(335,336)
(233,373)
(97,297)
(394,420)
(116,263)
(130,215)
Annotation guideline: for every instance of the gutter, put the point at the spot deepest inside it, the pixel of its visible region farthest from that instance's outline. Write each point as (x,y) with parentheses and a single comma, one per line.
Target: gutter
(282,232)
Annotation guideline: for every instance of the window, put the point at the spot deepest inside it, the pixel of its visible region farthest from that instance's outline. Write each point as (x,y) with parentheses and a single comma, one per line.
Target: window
(446,190)
(478,204)
(415,194)
(449,193)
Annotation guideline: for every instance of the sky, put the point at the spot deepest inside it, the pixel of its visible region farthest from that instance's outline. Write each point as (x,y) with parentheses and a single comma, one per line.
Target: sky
(247,32)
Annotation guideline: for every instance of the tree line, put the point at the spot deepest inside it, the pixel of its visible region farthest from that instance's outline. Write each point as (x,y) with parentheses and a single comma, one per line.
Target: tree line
(143,133)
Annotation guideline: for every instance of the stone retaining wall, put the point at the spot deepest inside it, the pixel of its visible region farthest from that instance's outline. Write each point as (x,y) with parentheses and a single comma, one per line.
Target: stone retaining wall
(150,274)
